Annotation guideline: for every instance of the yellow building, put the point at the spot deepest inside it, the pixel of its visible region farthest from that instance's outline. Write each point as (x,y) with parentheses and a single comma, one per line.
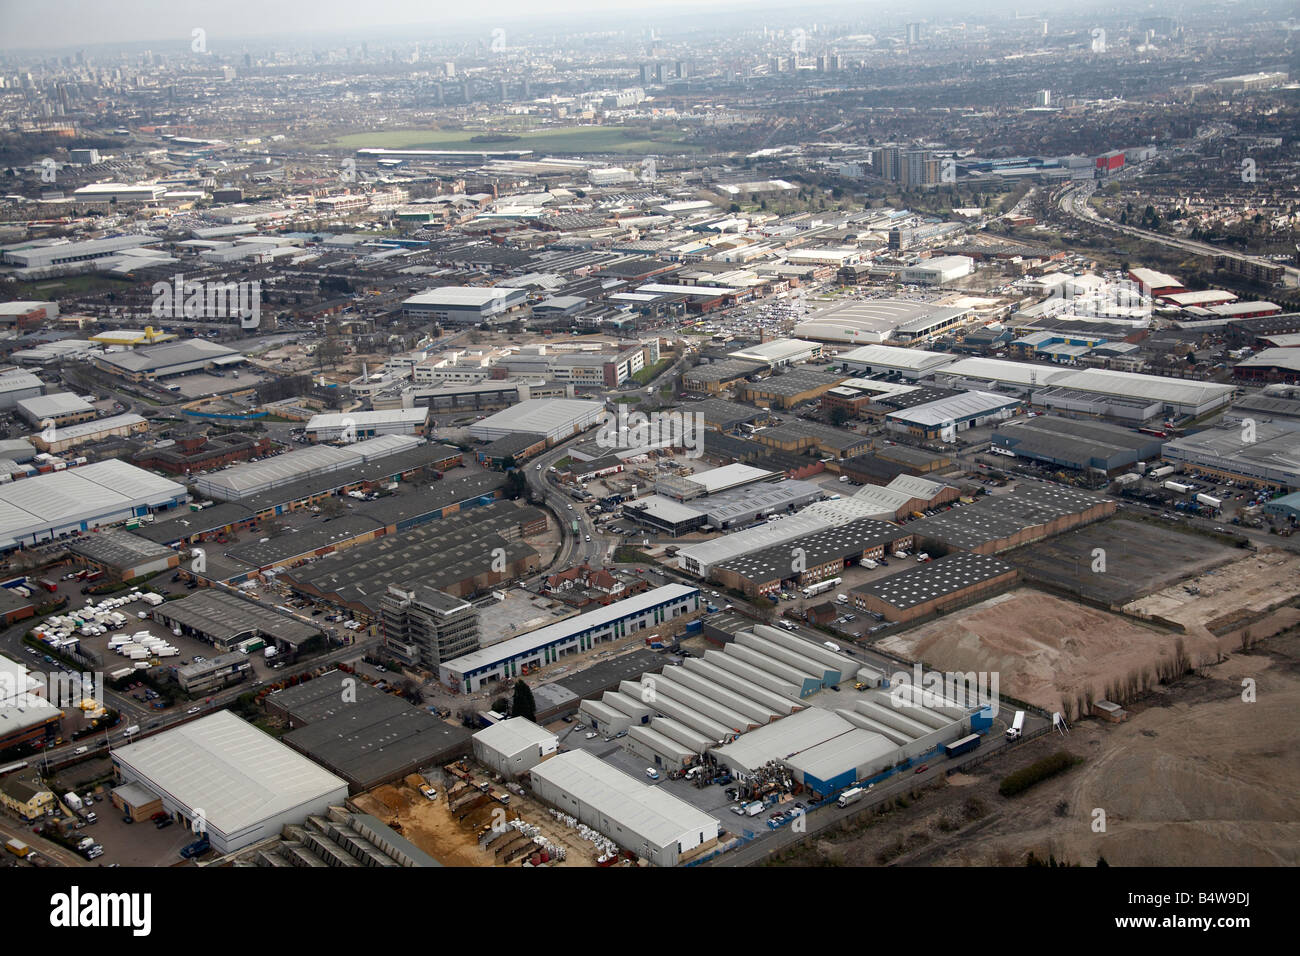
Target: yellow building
(25,796)
(130,338)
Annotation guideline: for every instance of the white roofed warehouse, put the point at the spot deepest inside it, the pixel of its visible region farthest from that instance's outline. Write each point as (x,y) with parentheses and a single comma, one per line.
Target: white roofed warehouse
(465,305)
(646,820)
(354,426)
(244,783)
(46,506)
(514,746)
(556,418)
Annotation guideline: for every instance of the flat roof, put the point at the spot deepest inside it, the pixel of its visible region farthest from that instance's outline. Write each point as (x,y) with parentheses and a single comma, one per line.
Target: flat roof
(224,616)
(954,409)
(650,812)
(155,357)
(892,356)
(368,742)
(514,735)
(463,295)
(118,548)
(237,774)
(63,497)
(539,415)
(487,656)
(784,739)
(934,579)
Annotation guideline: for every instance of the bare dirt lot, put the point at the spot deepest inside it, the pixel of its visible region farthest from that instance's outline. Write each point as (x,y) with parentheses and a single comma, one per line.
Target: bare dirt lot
(1046,650)
(1135,558)
(431,825)
(1195,777)
(1230,597)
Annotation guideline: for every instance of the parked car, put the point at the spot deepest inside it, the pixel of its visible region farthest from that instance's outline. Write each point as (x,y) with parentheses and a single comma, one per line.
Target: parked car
(652,773)
(591,735)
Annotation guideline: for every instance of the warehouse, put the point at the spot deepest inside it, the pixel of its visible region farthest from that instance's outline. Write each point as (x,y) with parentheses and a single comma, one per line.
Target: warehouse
(934,586)
(891,360)
(712,481)
(379,741)
(16,385)
(788,389)
(256,477)
(945,418)
(319,699)
(1176,396)
(810,559)
(997,523)
(44,254)
(801,435)
(465,305)
(54,505)
(1271,365)
(1288,506)
(513,747)
(874,321)
(242,783)
(714,377)
(556,418)
(641,612)
(167,360)
(1080,445)
(356,426)
(61,408)
(938,271)
(224,620)
(462,555)
(121,554)
(1272,460)
(204,677)
(60,440)
(723,415)
(699,558)
(778,353)
(649,821)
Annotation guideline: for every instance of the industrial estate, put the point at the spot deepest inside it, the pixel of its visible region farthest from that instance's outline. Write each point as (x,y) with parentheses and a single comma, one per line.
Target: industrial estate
(652,440)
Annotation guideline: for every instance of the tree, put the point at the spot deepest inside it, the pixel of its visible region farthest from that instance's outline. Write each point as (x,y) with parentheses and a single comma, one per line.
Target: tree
(501,705)
(839,416)
(524,705)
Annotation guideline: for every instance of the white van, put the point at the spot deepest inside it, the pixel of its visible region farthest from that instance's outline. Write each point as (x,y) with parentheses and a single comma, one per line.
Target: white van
(841,599)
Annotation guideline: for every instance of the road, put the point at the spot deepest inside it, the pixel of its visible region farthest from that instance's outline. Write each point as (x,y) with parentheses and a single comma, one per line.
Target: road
(1074,201)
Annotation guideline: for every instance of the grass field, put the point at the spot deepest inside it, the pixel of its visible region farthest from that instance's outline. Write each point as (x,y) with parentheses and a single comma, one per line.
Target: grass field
(564,139)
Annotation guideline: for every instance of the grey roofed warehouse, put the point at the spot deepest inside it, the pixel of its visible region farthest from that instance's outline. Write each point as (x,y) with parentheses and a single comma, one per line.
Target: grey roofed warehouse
(556,418)
(1077,444)
(128,555)
(224,618)
(379,740)
(935,579)
(251,478)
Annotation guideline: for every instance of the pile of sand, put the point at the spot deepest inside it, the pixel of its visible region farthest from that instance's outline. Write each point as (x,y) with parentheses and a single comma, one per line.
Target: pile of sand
(1045,650)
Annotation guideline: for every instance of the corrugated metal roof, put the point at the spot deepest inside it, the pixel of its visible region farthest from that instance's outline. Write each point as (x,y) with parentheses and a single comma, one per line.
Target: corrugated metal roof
(650,812)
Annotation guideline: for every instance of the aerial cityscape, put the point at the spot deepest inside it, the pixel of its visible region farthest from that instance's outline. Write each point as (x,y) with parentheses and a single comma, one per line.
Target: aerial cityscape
(669,435)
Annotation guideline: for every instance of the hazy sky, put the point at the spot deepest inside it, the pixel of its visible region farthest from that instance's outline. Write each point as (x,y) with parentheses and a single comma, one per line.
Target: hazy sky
(25,24)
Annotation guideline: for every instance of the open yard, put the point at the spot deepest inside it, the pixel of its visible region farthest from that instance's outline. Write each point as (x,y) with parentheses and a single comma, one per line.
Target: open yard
(1195,777)
(1135,559)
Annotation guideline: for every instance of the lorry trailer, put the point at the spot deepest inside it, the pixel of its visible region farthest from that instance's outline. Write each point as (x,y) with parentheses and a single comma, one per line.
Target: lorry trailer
(963,746)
